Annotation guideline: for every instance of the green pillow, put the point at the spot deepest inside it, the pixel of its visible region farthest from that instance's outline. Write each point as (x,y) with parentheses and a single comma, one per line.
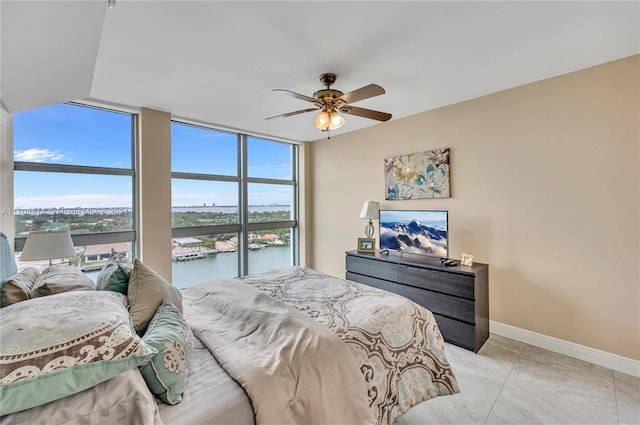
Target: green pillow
(58,345)
(166,372)
(147,290)
(114,276)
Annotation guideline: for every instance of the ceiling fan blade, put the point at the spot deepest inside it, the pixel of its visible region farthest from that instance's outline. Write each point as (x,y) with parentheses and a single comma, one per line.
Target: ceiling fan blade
(297,95)
(366,113)
(362,93)
(289,114)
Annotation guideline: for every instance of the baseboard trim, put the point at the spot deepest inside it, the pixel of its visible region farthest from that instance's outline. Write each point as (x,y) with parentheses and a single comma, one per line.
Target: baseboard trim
(581,352)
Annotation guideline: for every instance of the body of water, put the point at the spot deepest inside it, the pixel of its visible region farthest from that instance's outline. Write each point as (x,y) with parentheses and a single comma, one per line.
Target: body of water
(231,208)
(225,264)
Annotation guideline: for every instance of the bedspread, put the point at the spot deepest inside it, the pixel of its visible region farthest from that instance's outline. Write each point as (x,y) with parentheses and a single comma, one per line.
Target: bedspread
(294,370)
(397,343)
(123,400)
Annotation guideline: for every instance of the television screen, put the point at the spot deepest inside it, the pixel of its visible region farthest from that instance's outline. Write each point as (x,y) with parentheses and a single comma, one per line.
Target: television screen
(415,232)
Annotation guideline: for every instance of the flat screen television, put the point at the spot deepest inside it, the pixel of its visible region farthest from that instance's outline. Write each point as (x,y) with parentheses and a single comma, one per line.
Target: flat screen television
(424,232)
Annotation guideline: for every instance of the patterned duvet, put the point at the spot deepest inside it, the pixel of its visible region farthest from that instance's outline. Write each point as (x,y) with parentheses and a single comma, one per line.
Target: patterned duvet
(397,342)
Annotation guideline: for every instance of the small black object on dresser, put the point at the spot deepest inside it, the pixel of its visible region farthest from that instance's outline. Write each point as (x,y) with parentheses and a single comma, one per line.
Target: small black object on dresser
(458,296)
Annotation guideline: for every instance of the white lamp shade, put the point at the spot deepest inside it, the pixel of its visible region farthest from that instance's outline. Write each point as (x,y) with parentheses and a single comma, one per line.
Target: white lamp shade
(329,119)
(336,121)
(322,121)
(370,210)
(48,244)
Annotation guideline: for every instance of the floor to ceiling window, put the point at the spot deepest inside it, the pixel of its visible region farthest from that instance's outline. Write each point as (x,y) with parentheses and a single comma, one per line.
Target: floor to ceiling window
(74,169)
(234,204)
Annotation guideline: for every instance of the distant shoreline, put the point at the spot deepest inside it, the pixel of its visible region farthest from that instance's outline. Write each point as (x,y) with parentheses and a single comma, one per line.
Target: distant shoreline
(80,211)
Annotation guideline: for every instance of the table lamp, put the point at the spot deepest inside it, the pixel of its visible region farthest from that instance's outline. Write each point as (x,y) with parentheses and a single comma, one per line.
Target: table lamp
(47,245)
(370,210)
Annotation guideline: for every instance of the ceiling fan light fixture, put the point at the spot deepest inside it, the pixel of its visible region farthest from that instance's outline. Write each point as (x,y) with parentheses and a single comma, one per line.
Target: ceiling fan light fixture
(329,119)
(336,121)
(322,121)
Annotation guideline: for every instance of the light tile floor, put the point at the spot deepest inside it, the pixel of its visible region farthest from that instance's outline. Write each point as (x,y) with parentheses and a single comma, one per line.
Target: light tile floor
(509,382)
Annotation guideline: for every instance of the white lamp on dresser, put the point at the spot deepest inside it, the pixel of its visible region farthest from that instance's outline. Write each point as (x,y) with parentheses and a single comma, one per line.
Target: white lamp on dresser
(370,211)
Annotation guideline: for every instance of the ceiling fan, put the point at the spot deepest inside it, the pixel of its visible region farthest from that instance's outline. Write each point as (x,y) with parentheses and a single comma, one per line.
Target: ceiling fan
(331,103)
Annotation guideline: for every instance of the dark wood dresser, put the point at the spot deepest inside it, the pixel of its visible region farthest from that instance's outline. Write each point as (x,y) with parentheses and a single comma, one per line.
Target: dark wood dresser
(458,296)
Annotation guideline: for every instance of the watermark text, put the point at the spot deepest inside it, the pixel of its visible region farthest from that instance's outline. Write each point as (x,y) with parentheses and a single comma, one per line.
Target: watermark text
(66,211)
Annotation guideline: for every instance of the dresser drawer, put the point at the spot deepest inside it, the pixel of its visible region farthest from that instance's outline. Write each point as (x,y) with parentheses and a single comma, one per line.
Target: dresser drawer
(373,268)
(446,305)
(458,297)
(457,333)
(371,281)
(449,283)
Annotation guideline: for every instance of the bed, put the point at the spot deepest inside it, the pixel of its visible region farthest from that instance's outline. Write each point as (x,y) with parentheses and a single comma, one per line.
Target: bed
(291,345)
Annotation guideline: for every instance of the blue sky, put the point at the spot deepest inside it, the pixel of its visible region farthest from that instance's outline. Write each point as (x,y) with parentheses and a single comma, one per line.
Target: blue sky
(68,134)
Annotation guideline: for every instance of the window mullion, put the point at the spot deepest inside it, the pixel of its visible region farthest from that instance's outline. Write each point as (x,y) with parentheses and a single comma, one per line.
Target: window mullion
(272,225)
(135,202)
(270,181)
(200,176)
(295,234)
(66,168)
(243,240)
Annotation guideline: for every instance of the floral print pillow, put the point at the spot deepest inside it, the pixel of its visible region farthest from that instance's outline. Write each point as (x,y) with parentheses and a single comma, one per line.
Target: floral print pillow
(166,372)
(58,345)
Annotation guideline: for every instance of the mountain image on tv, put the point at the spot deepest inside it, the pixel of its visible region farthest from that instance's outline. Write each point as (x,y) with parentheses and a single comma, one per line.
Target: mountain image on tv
(415,232)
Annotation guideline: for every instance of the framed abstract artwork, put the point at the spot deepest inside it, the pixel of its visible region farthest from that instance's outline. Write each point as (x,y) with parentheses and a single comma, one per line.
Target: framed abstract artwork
(417,175)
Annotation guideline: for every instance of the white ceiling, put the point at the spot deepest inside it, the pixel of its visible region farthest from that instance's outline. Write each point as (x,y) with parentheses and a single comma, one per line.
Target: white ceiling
(217,62)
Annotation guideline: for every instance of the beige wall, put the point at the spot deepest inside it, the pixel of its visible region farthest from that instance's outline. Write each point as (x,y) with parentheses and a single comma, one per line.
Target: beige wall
(304,205)
(545,188)
(154,186)
(6,173)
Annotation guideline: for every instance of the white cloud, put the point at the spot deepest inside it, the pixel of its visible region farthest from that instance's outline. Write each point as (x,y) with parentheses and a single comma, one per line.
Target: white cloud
(89,200)
(37,155)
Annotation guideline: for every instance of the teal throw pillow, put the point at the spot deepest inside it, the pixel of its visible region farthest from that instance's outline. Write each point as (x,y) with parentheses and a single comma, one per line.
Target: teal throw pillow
(58,345)
(114,276)
(166,372)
